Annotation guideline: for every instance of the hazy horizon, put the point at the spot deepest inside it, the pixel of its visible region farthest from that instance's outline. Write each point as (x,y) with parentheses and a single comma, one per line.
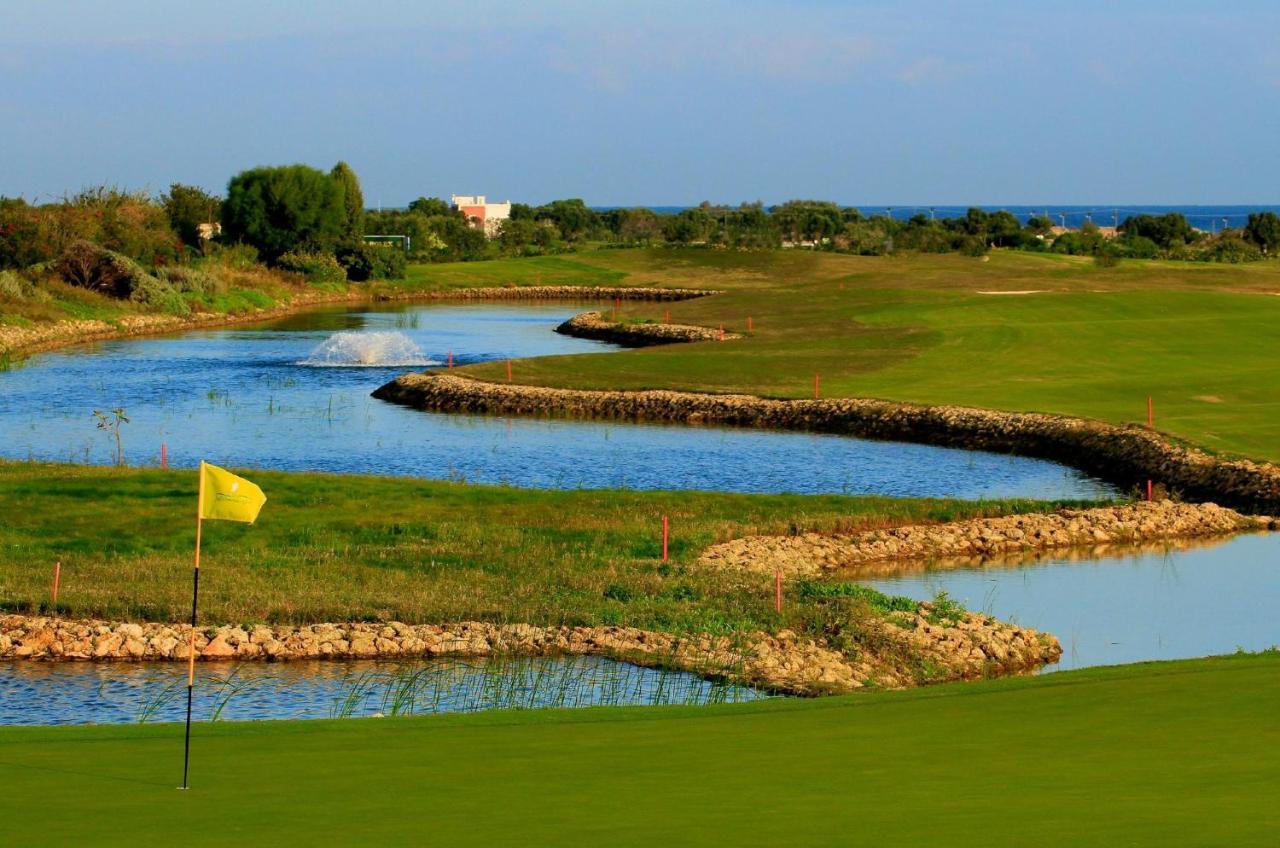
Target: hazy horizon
(996,104)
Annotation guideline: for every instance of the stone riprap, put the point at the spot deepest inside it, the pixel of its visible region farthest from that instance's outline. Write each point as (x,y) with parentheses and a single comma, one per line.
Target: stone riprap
(1125,455)
(593,325)
(784,662)
(979,539)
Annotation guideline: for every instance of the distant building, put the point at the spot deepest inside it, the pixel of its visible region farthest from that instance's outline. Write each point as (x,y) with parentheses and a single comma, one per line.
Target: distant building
(481,214)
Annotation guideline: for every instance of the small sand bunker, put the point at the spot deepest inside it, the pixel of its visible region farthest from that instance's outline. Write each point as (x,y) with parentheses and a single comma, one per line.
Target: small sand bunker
(1020,291)
(1207,398)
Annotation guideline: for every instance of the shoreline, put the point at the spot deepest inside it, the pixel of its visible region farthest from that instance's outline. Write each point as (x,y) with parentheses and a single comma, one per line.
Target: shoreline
(958,544)
(20,342)
(972,646)
(1126,456)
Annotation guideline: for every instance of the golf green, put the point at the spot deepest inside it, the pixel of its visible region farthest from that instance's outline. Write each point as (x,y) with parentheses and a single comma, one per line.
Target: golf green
(1177,753)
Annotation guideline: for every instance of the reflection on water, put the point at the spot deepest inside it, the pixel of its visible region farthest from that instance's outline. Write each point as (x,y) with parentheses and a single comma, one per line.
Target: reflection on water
(243,397)
(1155,603)
(118,693)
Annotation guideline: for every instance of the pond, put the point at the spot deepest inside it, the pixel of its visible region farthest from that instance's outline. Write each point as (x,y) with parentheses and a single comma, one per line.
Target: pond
(294,395)
(1128,606)
(122,693)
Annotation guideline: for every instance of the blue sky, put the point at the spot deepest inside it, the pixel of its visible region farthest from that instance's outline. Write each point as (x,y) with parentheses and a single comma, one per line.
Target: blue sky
(655,102)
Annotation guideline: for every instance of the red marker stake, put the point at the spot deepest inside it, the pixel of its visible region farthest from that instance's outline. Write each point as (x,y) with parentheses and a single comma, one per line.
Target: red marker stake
(1149,491)
(450,359)
(777,590)
(666,317)
(1151,418)
(57,576)
(164,455)
(749,328)
(816,387)
(666,532)
(508,370)
(722,332)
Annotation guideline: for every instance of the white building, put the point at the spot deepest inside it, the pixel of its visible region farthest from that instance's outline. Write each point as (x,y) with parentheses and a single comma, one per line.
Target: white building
(481,214)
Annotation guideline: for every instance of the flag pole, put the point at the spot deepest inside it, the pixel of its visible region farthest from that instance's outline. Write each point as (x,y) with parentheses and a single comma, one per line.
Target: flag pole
(191,649)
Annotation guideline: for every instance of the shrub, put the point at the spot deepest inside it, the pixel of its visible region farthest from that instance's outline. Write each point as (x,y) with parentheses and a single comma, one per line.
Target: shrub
(1230,247)
(241,257)
(158,294)
(945,610)
(13,286)
(316,267)
(1107,257)
(89,266)
(184,278)
(372,262)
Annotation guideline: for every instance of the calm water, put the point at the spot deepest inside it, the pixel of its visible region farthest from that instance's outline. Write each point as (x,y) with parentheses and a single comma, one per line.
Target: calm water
(1128,608)
(254,397)
(121,693)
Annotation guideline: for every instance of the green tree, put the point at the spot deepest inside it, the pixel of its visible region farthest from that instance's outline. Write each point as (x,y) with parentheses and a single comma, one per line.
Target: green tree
(1039,225)
(188,207)
(1263,230)
(572,217)
(352,202)
(1167,230)
(431,206)
(638,226)
(284,208)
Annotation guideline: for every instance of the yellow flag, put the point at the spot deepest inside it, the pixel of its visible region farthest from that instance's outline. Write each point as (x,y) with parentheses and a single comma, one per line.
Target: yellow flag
(226,497)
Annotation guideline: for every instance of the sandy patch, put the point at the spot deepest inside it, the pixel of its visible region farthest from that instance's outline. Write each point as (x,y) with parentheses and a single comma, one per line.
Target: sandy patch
(1023,291)
(1208,398)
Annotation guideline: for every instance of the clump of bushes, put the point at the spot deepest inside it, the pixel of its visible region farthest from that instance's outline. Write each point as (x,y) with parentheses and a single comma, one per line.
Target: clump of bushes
(372,262)
(188,279)
(92,267)
(16,287)
(154,292)
(316,267)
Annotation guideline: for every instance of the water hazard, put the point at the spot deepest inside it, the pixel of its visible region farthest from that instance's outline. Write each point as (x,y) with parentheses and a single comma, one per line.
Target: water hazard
(122,693)
(268,397)
(1126,606)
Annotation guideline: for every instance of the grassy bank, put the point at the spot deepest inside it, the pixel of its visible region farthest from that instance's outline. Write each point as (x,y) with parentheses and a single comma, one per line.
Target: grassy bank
(1080,340)
(1166,754)
(337,548)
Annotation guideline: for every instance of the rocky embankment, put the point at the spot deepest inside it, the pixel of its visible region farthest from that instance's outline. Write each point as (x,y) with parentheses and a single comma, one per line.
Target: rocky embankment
(811,554)
(593,325)
(21,340)
(1127,456)
(971,647)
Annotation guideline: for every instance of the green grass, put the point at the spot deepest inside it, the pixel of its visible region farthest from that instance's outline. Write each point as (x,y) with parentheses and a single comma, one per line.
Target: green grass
(1201,339)
(533,271)
(338,547)
(1166,754)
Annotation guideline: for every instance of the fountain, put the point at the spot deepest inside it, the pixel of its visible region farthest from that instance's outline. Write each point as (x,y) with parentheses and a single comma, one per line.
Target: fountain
(371,349)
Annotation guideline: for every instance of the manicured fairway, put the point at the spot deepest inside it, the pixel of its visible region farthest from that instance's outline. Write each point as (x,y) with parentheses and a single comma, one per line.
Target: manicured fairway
(1065,337)
(1172,754)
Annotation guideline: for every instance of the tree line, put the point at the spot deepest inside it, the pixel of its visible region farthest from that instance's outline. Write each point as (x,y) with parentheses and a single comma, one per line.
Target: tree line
(439,234)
